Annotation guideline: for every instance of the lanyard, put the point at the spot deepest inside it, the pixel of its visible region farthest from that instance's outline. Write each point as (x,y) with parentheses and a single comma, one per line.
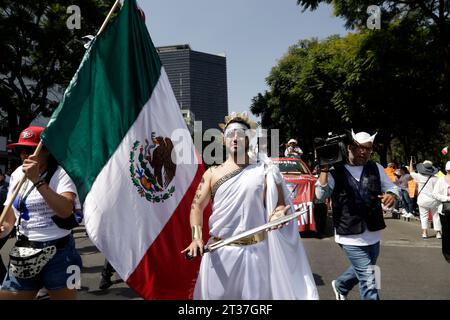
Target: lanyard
(21,202)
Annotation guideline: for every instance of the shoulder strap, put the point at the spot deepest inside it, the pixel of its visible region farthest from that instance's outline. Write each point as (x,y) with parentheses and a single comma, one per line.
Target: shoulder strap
(424,185)
(224,179)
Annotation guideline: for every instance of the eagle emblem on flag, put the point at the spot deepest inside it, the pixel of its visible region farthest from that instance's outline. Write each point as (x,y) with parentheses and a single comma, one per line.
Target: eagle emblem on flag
(152,169)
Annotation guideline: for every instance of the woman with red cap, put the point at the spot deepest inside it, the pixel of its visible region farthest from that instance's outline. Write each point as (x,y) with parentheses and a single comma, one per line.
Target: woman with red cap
(44,254)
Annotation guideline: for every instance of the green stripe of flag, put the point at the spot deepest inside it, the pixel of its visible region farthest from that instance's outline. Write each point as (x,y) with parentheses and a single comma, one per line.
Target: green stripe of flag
(114,81)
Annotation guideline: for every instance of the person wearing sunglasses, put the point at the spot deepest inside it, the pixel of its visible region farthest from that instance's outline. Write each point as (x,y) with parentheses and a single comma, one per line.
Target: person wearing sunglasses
(359,189)
(247,194)
(48,193)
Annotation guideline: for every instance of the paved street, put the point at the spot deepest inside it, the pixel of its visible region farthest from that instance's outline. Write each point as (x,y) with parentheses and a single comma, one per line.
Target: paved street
(411,268)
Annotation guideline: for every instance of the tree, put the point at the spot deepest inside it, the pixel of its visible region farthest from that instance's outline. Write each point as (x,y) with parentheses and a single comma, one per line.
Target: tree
(302,98)
(432,14)
(371,81)
(39,54)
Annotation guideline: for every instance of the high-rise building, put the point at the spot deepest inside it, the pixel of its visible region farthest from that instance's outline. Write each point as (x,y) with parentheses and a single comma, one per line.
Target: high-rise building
(199,81)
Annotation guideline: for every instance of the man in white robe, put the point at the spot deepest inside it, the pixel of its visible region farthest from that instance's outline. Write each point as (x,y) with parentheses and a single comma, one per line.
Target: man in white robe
(246,194)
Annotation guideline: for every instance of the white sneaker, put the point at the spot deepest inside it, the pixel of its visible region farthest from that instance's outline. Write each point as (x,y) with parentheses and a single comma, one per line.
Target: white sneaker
(409,215)
(338,295)
(438,235)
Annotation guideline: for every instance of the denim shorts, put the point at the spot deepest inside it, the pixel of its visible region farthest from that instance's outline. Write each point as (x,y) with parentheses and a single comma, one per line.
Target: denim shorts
(53,276)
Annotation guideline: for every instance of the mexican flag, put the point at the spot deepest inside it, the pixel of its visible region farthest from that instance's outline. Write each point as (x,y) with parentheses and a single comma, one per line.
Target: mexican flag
(120,135)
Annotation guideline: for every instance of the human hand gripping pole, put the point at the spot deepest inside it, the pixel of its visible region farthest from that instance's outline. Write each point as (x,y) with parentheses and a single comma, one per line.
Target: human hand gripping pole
(10,201)
(270,225)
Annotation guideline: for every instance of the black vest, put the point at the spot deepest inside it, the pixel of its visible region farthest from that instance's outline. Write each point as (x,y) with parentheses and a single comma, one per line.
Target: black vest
(356,204)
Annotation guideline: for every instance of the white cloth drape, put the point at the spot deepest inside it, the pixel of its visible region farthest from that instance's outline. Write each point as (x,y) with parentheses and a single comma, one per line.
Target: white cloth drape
(276,268)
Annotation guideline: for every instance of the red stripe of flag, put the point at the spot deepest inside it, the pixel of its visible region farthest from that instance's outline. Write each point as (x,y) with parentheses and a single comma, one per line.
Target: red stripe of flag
(164,273)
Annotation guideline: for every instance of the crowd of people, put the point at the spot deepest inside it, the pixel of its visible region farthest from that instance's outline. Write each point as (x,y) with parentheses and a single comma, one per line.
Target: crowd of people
(421,194)
(244,194)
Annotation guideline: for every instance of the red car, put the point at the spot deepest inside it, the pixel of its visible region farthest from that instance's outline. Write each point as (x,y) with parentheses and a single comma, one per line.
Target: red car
(301,184)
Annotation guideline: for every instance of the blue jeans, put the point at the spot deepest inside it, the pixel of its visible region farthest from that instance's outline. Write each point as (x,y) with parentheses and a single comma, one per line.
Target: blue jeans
(362,271)
(405,202)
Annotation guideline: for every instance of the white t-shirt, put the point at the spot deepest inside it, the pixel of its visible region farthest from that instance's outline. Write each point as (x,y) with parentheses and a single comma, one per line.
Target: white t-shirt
(367,237)
(293,150)
(40,226)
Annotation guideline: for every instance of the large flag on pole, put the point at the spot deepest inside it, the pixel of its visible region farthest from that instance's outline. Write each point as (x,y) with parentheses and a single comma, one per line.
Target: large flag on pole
(115,133)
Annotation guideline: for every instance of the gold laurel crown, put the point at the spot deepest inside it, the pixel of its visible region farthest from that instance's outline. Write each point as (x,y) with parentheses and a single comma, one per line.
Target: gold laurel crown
(238,117)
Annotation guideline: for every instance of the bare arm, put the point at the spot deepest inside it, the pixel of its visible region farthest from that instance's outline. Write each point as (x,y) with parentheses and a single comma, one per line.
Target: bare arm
(8,223)
(201,200)
(281,208)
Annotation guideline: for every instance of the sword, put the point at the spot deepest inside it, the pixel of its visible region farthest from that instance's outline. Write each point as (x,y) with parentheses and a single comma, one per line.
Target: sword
(221,243)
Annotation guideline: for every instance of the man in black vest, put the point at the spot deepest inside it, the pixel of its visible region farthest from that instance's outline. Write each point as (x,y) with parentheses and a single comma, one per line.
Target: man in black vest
(358,189)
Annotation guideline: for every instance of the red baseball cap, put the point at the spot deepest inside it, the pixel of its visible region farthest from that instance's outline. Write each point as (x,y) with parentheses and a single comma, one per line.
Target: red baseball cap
(30,137)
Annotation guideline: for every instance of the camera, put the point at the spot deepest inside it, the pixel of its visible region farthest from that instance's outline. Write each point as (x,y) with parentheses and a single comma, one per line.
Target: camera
(333,149)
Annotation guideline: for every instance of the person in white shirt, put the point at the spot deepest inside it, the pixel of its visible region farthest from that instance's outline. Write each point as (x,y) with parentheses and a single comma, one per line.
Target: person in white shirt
(43,203)
(358,189)
(292,149)
(426,179)
(441,192)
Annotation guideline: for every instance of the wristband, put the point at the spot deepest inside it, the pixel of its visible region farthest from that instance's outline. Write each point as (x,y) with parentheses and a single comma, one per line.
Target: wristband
(39,183)
(197,232)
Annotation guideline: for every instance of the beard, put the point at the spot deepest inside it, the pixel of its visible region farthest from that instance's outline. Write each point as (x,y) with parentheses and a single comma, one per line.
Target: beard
(359,161)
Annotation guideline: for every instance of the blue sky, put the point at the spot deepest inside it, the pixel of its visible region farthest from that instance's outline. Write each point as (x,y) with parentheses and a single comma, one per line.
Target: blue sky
(253,34)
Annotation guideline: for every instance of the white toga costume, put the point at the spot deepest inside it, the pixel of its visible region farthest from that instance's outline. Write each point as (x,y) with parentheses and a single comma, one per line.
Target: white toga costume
(275,268)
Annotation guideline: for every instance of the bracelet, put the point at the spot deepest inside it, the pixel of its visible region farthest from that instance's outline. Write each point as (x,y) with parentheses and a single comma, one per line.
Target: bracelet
(197,232)
(39,183)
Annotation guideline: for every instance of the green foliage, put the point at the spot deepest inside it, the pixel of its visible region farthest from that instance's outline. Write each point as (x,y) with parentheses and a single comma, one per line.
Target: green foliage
(393,81)
(388,81)
(38,53)
(306,89)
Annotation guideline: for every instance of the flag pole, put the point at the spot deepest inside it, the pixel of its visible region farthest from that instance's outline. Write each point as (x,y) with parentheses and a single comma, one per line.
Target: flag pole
(108,17)
(40,145)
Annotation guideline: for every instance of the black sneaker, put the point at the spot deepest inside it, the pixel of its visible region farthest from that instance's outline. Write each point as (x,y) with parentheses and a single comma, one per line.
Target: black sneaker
(105,282)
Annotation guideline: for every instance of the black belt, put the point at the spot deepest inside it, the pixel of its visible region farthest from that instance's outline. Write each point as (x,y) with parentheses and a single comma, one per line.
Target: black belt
(59,243)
